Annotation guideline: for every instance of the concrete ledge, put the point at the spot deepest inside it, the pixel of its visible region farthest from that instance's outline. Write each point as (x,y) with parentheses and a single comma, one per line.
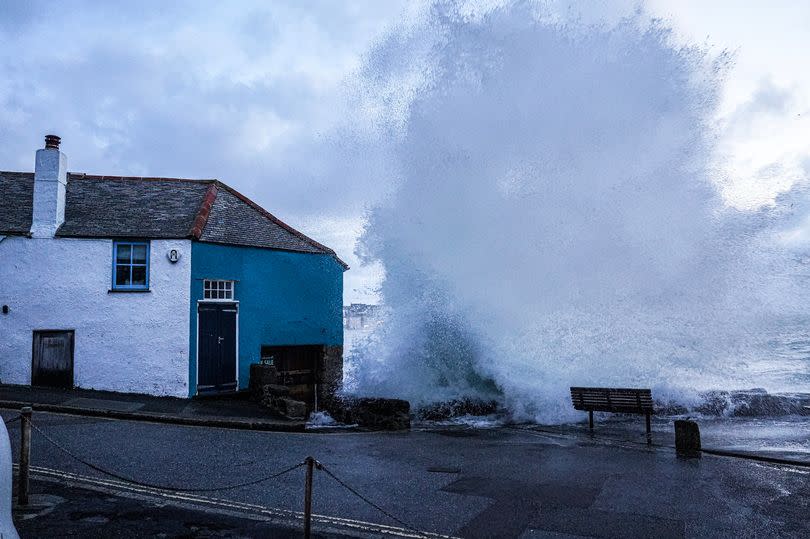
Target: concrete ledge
(201,421)
(759,458)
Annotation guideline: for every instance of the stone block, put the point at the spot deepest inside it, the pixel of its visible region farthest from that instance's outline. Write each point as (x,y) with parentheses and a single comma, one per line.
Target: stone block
(260,376)
(373,413)
(275,390)
(291,408)
(439,411)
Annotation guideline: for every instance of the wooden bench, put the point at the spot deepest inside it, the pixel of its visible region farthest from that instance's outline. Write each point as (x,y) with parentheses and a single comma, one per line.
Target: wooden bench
(616,400)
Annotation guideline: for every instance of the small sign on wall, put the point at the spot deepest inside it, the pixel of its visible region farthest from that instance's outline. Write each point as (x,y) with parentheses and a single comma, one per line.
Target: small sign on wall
(173,255)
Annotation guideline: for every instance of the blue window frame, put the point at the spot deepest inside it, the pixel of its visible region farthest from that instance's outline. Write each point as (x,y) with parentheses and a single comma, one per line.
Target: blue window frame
(130,267)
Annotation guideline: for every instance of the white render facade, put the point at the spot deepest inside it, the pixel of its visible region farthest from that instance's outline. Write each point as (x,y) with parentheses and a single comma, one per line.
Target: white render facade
(127,341)
(98,289)
(64,284)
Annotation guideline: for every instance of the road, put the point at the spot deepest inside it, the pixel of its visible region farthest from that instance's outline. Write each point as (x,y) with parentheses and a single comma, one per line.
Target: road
(497,482)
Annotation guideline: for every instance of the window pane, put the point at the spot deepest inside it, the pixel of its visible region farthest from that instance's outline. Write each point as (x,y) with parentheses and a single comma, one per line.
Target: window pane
(139,275)
(123,254)
(122,276)
(139,254)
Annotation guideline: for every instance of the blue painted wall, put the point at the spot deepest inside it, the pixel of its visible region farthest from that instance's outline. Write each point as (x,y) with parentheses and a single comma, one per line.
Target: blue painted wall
(284,298)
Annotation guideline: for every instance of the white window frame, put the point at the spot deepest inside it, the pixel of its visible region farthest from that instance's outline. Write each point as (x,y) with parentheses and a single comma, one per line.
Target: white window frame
(219,290)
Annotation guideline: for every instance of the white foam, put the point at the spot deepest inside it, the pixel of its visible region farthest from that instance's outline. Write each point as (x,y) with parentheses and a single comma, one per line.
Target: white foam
(556,219)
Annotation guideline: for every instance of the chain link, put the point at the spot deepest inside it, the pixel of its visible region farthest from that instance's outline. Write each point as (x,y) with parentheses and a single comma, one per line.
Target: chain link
(155,485)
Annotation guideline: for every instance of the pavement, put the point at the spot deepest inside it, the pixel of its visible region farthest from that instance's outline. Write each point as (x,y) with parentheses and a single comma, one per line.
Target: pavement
(228,411)
(456,481)
(68,509)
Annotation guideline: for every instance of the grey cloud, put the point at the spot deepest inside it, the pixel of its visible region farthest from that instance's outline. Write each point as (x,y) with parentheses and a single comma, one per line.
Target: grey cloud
(248,94)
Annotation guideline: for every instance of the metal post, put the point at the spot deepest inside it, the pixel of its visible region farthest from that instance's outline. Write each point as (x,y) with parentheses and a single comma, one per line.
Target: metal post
(308,497)
(649,430)
(590,419)
(25,455)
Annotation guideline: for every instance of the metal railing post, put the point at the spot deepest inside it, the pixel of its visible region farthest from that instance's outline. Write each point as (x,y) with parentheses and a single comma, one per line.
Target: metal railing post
(25,455)
(310,462)
(649,430)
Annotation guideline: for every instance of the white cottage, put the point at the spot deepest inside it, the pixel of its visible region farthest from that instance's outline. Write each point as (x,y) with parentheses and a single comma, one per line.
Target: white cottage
(155,285)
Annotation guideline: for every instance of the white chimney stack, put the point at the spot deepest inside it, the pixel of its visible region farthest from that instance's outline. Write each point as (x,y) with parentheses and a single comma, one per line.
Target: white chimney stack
(50,181)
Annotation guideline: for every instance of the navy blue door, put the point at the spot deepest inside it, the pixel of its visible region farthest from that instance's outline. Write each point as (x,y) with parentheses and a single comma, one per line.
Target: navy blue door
(216,361)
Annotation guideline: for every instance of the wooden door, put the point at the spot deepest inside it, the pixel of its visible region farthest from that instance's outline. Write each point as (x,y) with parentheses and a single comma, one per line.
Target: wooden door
(216,351)
(52,359)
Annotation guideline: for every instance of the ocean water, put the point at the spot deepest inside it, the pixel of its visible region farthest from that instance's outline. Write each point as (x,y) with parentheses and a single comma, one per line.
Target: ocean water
(555,218)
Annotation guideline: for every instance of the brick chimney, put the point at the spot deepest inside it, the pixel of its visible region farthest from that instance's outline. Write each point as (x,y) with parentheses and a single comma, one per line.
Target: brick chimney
(50,181)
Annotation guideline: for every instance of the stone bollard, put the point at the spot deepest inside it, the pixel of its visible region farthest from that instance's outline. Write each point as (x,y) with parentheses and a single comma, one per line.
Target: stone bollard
(687,438)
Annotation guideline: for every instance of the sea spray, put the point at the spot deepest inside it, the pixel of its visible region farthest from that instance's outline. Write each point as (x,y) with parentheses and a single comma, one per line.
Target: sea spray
(555,219)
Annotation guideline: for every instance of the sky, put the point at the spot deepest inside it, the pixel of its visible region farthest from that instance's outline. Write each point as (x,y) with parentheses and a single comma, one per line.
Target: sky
(255,94)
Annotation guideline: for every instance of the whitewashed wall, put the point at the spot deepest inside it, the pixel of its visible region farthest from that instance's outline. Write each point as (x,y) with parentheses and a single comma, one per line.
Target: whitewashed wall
(130,342)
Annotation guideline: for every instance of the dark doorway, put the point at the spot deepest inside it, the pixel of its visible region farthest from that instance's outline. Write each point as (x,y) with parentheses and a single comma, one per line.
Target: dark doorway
(52,359)
(297,368)
(216,361)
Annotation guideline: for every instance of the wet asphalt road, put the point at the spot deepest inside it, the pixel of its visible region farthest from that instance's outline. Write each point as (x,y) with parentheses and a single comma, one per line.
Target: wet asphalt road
(472,483)
(60,510)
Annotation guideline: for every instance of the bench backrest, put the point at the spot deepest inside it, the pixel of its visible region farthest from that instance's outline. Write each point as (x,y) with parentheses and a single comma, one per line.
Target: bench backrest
(607,399)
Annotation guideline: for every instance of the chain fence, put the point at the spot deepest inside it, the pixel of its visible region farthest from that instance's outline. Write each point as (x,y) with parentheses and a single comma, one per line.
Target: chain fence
(365,499)
(171,488)
(190,489)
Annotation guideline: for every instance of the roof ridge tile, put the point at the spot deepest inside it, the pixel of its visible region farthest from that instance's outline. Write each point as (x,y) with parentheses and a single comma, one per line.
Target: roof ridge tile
(204,211)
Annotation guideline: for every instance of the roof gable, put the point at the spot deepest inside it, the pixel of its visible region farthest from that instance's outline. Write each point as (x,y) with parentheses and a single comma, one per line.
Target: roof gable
(234,219)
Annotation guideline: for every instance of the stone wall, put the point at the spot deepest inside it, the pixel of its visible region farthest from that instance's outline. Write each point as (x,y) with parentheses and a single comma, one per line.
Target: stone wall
(330,375)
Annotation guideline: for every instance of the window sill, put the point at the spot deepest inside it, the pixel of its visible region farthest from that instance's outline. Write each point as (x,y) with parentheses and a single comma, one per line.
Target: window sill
(125,291)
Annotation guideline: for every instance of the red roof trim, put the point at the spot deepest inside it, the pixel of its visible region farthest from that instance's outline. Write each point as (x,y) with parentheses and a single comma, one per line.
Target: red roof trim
(205,210)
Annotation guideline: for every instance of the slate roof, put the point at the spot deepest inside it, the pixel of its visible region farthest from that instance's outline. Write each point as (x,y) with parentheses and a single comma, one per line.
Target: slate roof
(122,207)
(134,207)
(16,202)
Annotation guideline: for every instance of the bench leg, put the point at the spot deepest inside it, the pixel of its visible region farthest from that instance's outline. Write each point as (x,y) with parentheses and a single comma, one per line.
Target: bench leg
(649,431)
(590,419)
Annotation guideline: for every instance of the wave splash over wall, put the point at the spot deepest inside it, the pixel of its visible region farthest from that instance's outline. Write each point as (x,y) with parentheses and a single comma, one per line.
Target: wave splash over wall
(555,218)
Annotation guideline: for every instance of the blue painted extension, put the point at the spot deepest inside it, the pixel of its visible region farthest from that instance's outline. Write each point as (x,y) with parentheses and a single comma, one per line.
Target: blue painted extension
(285,298)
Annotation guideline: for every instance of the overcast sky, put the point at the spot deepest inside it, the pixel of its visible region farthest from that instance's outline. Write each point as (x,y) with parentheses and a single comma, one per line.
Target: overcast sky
(252,93)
